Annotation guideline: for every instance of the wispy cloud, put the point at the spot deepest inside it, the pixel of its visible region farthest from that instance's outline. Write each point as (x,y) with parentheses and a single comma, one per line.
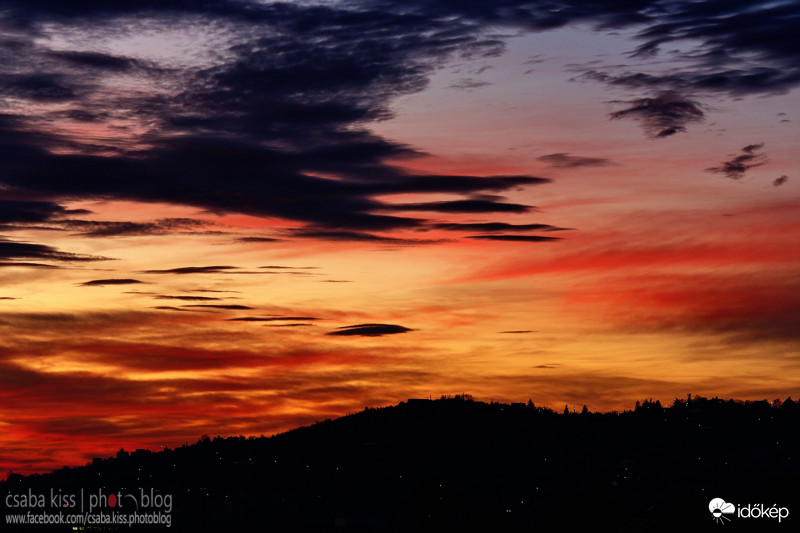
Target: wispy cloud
(25,250)
(514,238)
(663,115)
(194,270)
(565,160)
(273,318)
(495,226)
(736,167)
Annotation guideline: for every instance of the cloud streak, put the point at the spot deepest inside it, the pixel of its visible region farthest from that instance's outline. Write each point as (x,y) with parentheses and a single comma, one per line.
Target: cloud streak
(369,330)
(24,250)
(514,238)
(736,167)
(565,160)
(113,281)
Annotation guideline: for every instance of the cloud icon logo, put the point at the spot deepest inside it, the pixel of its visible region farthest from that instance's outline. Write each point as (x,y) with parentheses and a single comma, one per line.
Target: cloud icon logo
(719,508)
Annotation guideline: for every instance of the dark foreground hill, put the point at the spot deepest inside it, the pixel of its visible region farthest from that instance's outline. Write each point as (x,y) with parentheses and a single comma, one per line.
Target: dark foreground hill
(459,465)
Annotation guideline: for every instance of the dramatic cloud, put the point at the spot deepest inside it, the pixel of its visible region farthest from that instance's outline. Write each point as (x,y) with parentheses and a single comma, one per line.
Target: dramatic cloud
(11,264)
(103,282)
(747,47)
(91,228)
(466,206)
(495,226)
(514,238)
(94,60)
(736,167)
(663,115)
(194,270)
(283,267)
(258,239)
(734,48)
(356,236)
(564,160)
(234,307)
(188,298)
(469,83)
(272,318)
(370,330)
(283,118)
(24,250)
(22,211)
(289,96)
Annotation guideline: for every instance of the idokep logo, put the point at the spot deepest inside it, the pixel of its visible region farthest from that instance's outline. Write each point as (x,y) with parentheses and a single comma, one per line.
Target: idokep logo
(720,508)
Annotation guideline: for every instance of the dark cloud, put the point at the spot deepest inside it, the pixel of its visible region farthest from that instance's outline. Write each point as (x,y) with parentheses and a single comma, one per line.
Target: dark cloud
(738,48)
(258,239)
(565,160)
(465,206)
(780,180)
(469,83)
(39,87)
(29,211)
(7,264)
(456,184)
(663,115)
(102,282)
(519,331)
(282,267)
(194,270)
(370,330)
(249,135)
(24,250)
(752,148)
(356,236)
(93,228)
(514,238)
(736,167)
(211,290)
(8,298)
(279,128)
(188,298)
(234,307)
(292,325)
(272,318)
(94,60)
(495,226)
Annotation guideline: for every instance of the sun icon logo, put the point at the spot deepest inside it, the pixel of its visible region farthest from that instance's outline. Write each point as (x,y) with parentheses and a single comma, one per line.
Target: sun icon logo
(719,508)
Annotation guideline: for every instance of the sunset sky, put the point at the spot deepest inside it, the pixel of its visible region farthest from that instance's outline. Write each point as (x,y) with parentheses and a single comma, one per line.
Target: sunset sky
(238,217)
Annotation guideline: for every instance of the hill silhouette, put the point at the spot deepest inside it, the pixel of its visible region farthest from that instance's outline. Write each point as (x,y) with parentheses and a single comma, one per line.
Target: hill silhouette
(456,464)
